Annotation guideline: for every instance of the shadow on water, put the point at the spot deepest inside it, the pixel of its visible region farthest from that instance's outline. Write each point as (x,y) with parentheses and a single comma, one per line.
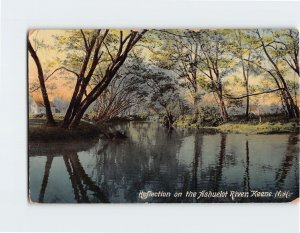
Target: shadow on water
(220,164)
(197,158)
(79,178)
(153,158)
(45,178)
(246,180)
(80,181)
(290,158)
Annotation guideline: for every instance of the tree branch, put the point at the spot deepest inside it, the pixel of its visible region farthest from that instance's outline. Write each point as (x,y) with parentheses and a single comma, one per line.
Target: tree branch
(244,96)
(62,68)
(49,76)
(111,56)
(86,45)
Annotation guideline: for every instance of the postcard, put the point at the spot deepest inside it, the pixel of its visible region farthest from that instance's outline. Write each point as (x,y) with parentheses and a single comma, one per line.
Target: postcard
(163,115)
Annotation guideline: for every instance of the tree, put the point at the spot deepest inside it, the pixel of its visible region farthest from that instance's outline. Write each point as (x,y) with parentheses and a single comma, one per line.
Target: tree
(49,116)
(274,57)
(287,45)
(157,88)
(242,50)
(214,63)
(273,54)
(116,99)
(177,51)
(94,57)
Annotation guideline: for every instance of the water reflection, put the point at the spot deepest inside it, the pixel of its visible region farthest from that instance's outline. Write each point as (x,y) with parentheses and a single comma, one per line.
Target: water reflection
(46,177)
(197,157)
(219,166)
(155,159)
(246,181)
(287,161)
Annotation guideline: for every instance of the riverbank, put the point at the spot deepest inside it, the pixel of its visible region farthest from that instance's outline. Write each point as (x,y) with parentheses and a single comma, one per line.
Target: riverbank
(262,128)
(37,131)
(268,124)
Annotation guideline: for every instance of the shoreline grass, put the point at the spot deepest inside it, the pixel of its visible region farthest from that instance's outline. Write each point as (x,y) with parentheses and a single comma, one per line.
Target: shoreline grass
(260,128)
(247,128)
(268,124)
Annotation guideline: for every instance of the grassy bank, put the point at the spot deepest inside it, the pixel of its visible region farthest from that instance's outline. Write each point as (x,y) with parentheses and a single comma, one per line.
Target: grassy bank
(186,121)
(263,128)
(38,131)
(268,125)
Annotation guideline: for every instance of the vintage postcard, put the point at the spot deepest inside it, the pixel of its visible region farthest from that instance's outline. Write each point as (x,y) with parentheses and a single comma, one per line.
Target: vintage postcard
(163,116)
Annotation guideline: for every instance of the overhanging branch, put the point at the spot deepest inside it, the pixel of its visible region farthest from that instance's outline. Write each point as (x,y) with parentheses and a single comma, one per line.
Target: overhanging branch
(254,94)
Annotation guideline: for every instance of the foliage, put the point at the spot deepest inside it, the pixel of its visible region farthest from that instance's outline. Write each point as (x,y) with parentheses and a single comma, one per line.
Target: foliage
(156,87)
(209,116)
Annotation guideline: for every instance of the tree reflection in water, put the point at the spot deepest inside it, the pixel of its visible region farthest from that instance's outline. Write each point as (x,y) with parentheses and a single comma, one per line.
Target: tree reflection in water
(246,179)
(80,181)
(46,177)
(291,157)
(155,159)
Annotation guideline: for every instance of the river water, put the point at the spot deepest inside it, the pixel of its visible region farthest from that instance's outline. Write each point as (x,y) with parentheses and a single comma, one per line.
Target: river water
(183,162)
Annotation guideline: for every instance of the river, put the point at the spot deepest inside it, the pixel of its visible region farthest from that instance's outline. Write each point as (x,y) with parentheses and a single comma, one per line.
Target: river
(157,160)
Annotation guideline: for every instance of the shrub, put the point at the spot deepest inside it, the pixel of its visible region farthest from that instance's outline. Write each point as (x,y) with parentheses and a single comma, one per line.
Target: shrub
(208,116)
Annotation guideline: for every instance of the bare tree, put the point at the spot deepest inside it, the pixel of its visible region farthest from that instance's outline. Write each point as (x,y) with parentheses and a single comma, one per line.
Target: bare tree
(115,100)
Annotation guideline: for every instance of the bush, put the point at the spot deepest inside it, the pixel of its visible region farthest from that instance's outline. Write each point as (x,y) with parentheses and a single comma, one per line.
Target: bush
(208,116)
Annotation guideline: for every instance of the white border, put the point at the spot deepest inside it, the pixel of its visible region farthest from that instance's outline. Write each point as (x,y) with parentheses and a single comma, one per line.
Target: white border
(17,215)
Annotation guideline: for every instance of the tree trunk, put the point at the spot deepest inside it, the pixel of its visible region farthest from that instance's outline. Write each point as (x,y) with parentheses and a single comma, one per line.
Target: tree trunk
(284,97)
(82,82)
(247,101)
(49,116)
(294,107)
(222,107)
(246,76)
(76,120)
(223,110)
(196,108)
